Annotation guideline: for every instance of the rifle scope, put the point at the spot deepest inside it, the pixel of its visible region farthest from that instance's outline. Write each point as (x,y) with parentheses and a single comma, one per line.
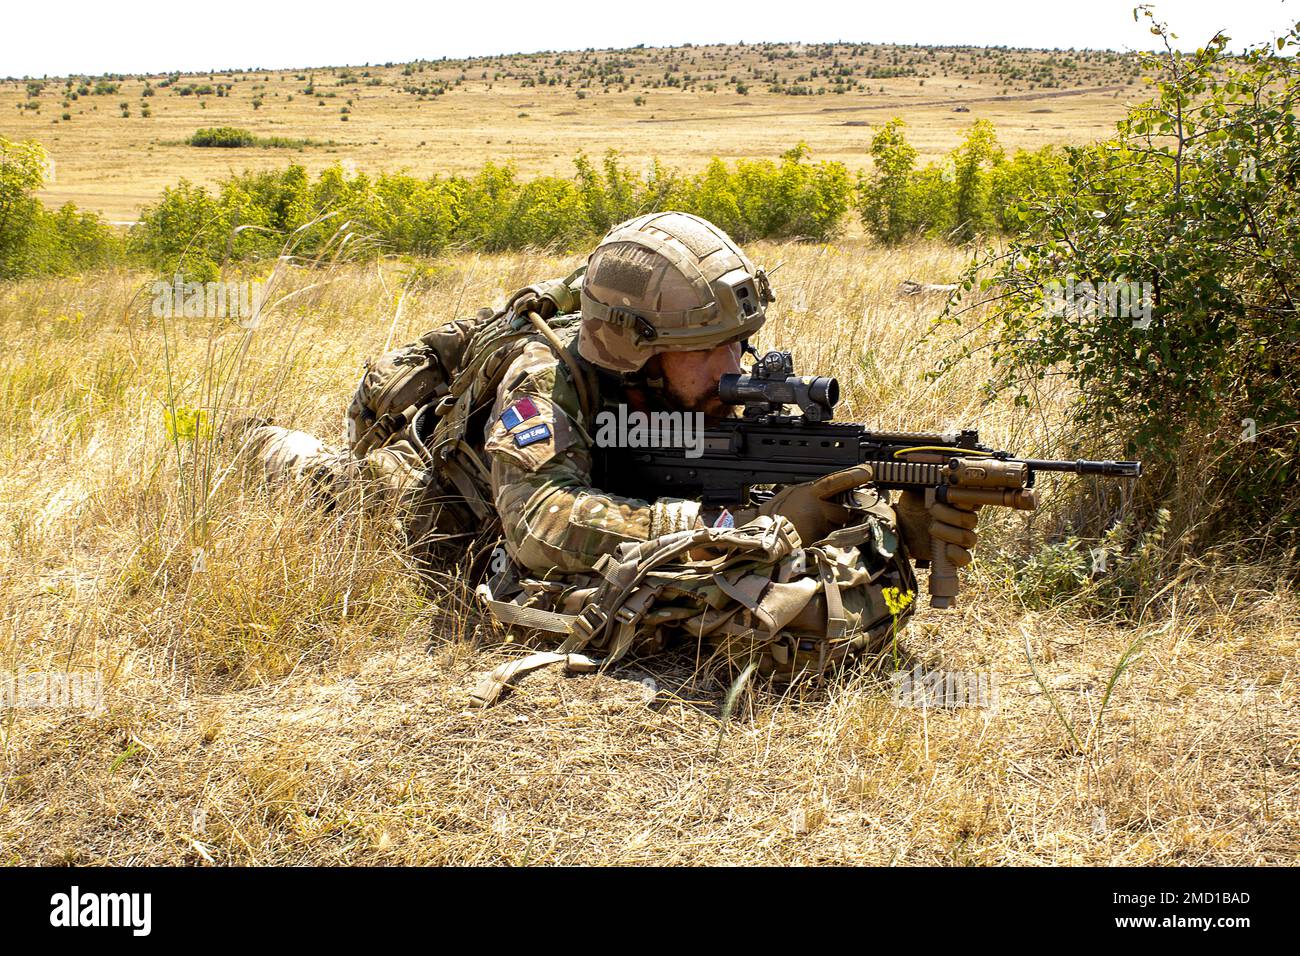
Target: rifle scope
(772,384)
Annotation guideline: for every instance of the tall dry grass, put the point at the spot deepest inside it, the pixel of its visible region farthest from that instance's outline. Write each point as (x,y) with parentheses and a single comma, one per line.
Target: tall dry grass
(282,688)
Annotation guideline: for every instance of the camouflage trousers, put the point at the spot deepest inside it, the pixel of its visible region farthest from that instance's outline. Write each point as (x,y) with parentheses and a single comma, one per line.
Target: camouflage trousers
(393,477)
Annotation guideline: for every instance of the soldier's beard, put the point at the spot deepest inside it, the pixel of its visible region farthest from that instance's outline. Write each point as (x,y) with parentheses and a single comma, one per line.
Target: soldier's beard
(688,381)
(708,401)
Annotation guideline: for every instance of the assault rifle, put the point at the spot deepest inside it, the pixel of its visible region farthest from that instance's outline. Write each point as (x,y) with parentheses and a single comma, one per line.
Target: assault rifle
(770,446)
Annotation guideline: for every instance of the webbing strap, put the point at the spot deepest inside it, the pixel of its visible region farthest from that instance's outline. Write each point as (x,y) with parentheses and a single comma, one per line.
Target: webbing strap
(579,379)
(528,617)
(629,616)
(837,624)
(490,688)
(747,599)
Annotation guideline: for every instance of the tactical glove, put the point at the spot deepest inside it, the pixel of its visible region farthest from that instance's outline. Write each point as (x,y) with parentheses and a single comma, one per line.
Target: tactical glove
(808,506)
(919,526)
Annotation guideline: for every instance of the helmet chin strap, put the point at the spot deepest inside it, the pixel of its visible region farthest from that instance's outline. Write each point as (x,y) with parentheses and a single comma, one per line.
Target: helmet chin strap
(651,374)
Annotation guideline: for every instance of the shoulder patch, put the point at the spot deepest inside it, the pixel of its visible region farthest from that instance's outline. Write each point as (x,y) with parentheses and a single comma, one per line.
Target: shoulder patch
(518,413)
(534,434)
(529,442)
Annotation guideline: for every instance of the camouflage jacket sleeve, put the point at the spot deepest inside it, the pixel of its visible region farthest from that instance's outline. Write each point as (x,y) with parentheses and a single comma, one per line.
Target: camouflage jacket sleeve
(541,452)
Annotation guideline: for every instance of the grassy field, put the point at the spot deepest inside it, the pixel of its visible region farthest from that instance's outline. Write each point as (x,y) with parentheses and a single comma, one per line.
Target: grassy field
(683,105)
(280,688)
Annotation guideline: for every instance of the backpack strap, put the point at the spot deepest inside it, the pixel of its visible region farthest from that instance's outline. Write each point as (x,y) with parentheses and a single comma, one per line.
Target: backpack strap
(490,688)
(448,450)
(563,354)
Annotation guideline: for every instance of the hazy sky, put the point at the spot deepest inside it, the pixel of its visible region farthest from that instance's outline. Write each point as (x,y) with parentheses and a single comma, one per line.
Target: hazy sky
(95,36)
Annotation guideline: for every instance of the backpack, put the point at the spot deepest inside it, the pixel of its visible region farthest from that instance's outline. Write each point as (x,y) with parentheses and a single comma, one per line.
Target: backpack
(435,396)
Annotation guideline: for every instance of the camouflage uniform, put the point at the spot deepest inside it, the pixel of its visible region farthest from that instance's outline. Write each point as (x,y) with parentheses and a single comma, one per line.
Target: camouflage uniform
(501,427)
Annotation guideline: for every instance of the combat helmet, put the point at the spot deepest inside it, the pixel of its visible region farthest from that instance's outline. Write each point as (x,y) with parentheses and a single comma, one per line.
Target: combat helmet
(667,282)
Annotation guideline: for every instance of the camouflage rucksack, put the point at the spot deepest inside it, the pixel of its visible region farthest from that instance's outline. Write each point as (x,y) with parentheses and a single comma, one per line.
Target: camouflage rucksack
(761,604)
(428,402)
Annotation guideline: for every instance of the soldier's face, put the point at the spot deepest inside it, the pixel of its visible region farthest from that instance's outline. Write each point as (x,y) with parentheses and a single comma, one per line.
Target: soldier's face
(691,378)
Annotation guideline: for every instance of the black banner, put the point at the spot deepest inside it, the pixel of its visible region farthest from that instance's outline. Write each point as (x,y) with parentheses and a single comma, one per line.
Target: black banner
(336,905)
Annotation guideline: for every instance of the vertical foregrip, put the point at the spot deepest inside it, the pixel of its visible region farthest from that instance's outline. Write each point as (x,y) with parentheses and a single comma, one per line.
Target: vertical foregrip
(943,577)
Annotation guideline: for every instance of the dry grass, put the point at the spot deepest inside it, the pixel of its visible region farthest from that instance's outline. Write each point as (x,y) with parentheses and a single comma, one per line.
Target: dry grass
(297,697)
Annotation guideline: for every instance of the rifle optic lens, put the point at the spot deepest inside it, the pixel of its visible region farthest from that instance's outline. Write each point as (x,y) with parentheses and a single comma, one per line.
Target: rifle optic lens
(825,391)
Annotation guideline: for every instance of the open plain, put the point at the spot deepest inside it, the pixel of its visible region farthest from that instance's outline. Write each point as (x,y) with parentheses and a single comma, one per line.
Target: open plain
(280,687)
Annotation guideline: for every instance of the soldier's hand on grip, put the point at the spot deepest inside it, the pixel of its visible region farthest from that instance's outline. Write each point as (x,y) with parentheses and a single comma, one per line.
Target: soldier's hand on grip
(920,526)
(808,506)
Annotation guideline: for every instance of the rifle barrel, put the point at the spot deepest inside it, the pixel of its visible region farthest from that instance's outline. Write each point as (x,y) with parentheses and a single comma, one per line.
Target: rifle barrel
(1082,466)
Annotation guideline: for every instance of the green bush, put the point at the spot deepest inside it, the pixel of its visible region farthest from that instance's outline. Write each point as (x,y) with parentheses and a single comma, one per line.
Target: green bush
(251,215)
(965,196)
(759,199)
(1116,573)
(22,171)
(233,138)
(972,162)
(223,137)
(884,198)
(34,241)
(613,193)
(1196,201)
(183,229)
(230,137)
(1018,180)
(70,241)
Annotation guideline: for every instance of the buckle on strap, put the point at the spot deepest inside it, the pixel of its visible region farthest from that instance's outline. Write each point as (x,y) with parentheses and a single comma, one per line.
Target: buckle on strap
(593,618)
(837,623)
(633,321)
(583,626)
